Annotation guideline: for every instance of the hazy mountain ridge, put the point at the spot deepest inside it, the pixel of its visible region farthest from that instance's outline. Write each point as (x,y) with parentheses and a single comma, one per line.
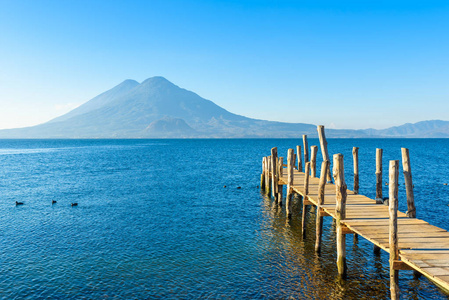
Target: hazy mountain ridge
(431,129)
(157,108)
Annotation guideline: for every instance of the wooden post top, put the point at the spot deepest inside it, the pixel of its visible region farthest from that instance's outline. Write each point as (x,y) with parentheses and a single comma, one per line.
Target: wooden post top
(379,160)
(306,148)
(393,178)
(406,160)
(338,170)
(340,185)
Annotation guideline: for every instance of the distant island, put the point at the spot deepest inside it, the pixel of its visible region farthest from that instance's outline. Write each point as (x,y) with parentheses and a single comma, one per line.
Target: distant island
(157,108)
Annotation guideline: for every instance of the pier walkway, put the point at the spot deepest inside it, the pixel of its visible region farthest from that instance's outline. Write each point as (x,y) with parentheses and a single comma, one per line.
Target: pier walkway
(412,244)
(422,247)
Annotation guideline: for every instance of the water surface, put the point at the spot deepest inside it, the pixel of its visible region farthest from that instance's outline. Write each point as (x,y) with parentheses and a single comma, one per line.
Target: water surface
(155,221)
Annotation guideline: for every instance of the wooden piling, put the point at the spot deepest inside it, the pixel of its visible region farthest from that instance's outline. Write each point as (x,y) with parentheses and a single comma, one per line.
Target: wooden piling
(306,178)
(323,177)
(324,151)
(379,199)
(290,167)
(379,176)
(411,210)
(313,153)
(279,195)
(355,155)
(393,228)
(274,175)
(340,212)
(280,166)
(298,157)
(262,176)
(267,170)
(319,213)
(306,148)
(280,172)
(268,176)
(305,198)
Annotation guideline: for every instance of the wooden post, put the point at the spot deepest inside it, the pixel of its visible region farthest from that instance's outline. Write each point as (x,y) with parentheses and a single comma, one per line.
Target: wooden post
(411,210)
(298,157)
(355,154)
(306,179)
(274,178)
(305,198)
(279,195)
(280,187)
(281,166)
(319,218)
(313,152)
(340,213)
(379,176)
(379,199)
(268,176)
(265,171)
(393,232)
(324,152)
(262,176)
(290,166)
(306,148)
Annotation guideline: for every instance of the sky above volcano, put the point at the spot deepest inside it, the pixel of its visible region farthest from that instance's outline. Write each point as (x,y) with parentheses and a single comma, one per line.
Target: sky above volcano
(344,64)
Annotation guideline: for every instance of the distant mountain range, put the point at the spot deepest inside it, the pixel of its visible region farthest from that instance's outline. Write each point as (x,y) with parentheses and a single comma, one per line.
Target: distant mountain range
(156,108)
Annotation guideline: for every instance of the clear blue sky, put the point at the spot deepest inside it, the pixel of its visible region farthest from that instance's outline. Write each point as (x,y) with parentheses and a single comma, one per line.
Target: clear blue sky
(348,64)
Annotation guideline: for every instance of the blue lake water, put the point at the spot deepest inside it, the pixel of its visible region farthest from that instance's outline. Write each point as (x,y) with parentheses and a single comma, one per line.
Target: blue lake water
(154,221)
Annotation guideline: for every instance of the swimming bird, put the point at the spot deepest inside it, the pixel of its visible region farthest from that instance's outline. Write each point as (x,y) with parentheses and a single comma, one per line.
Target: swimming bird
(19,203)
(239,187)
(53,201)
(74,204)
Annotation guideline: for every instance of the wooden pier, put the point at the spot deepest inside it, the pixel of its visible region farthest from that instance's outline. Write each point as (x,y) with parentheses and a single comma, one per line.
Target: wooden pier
(413,244)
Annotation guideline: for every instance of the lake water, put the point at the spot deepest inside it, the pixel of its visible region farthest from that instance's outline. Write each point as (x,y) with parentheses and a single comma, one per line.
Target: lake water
(154,221)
